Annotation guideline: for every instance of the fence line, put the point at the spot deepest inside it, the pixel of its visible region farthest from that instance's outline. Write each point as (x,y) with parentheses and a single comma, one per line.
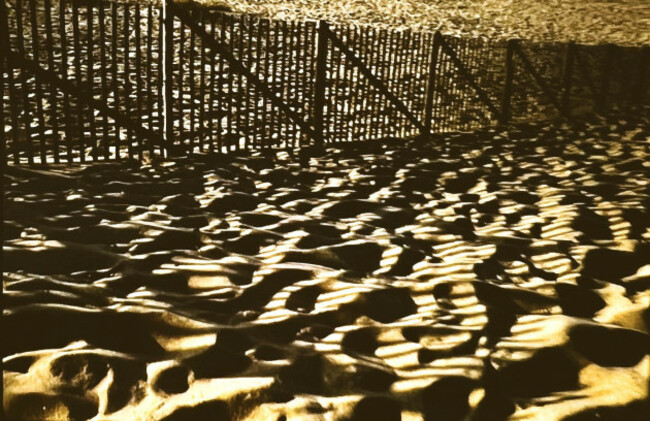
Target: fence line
(111,80)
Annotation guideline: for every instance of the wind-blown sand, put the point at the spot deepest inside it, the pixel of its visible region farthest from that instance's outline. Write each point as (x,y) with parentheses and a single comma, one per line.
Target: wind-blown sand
(475,276)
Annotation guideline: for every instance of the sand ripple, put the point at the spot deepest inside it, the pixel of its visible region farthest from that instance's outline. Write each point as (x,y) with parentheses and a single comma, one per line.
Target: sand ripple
(495,275)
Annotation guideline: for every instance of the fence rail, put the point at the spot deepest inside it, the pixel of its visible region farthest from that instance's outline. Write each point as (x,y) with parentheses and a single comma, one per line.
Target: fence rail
(93,80)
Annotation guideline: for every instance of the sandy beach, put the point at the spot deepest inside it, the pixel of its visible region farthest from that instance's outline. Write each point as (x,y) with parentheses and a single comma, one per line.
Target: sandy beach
(485,276)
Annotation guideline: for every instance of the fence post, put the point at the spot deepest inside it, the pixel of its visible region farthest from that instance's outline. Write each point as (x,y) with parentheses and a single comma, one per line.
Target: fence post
(320,81)
(505,115)
(607,75)
(168,60)
(567,78)
(431,88)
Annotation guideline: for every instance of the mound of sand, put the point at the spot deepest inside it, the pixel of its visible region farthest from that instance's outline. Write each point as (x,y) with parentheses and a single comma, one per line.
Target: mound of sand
(485,276)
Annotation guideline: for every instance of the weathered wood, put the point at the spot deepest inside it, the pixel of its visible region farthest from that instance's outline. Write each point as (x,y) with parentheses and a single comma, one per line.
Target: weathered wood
(567,78)
(50,64)
(528,66)
(38,89)
(90,79)
(202,125)
(192,85)
(373,79)
(211,98)
(124,119)
(506,112)
(150,87)
(468,77)
(138,73)
(114,71)
(267,64)
(127,81)
(168,75)
(259,135)
(239,68)
(104,83)
(431,85)
(23,84)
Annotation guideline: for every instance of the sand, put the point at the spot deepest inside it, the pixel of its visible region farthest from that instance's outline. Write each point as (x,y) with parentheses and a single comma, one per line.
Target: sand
(485,276)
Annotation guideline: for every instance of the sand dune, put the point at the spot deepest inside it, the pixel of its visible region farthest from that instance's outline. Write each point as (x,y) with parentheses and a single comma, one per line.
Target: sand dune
(485,276)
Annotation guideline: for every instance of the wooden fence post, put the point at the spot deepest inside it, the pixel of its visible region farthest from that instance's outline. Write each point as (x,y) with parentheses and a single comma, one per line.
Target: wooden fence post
(168,73)
(506,112)
(319,83)
(431,88)
(607,75)
(567,78)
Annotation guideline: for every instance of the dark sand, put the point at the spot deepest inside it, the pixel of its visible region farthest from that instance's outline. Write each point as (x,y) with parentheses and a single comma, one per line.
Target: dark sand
(471,277)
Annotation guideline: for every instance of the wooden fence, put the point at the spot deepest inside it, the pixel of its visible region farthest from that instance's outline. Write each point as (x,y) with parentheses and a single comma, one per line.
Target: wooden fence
(93,80)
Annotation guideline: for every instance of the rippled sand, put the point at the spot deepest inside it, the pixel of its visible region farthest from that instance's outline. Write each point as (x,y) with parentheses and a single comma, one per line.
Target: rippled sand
(469,277)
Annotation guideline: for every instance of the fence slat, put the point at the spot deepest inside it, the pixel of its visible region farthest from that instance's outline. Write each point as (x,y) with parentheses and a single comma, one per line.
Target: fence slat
(104,85)
(213,87)
(202,125)
(192,85)
(167,47)
(38,89)
(127,79)
(428,107)
(90,76)
(47,5)
(138,72)
(114,71)
(150,88)
(23,84)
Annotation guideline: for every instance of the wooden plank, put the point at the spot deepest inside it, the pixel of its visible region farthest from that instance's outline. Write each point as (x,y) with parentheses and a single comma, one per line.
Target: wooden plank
(567,78)
(248,97)
(431,86)
(77,65)
(266,72)
(167,47)
(114,71)
(259,134)
(54,118)
(213,71)
(181,84)
(138,73)
(319,82)
(537,77)
(38,89)
(127,80)
(226,100)
(202,125)
(64,70)
(192,85)
(150,88)
(5,66)
(468,77)
(29,149)
(90,78)
(103,77)
(123,119)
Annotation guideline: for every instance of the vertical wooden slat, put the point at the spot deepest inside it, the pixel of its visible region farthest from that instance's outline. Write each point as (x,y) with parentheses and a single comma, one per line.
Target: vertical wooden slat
(372,63)
(13,104)
(392,54)
(77,64)
(50,64)
(381,73)
(241,96)
(127,79)
(320,81)
(138,74)
(167,47)
(346,112)
(192,84)
(232,126)
(431,86)
(213,71)
(102,55)
(150,65)
(23,83)
(506,112)
(114,71)
(38,89)
(202,125)
(181,83)
(90,77)
(267,62)
(5,65)
(289,32)
(160,76)
(248,98)
(259,134)
(226,30)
